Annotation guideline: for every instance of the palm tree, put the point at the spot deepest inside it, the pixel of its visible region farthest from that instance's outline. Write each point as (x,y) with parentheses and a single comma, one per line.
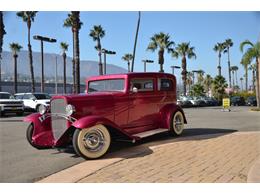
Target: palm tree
(252,67)
(97,33)
(207,83)
(2,33)
(241,80)
(219,47)
(184,50)
(227,44)
(200,76)
(64,47)
(161,42)
(189,80)
(246,62)
(253,52)
(28,18)
(128,57)
(136,36)
(233,69)
(219,86)
(15,47)
(73,22)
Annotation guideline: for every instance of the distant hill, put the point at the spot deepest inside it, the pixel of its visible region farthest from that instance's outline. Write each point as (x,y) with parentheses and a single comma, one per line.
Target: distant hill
(87,68)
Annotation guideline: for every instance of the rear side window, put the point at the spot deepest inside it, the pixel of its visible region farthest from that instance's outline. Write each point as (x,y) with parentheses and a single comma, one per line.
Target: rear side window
(165,85)
(142,84)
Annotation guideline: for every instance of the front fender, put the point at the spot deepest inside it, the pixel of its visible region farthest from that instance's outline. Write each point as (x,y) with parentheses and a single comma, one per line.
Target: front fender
(166,113)
(89,121)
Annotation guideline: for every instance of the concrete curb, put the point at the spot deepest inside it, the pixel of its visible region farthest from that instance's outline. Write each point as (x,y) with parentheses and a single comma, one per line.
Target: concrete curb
(254,173)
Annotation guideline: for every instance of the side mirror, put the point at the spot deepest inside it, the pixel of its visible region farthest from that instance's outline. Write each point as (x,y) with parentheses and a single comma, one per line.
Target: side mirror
(135,90)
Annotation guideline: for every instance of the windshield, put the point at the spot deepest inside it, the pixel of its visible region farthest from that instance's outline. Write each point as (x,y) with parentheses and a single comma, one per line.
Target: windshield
(42,96)
(5,96)
(106,85)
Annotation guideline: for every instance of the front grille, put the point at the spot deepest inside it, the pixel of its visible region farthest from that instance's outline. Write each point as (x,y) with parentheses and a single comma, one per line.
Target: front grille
(59,124)
(3,102)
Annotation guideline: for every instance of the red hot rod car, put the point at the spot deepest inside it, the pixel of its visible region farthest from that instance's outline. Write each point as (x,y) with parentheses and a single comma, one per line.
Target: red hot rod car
(134,105)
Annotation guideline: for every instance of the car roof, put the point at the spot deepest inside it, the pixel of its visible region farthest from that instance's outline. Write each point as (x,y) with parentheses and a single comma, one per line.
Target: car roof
(4,92)
(131,75)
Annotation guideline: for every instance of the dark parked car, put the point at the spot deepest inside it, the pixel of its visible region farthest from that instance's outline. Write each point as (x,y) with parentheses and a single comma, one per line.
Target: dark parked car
(251,101)
(237,101)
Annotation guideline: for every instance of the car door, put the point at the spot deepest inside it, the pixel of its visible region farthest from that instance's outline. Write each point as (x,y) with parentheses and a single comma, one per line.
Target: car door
(143,109)
(29,101)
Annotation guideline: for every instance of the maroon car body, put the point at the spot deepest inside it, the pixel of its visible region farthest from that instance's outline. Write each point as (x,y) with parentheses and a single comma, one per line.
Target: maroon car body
(132,105)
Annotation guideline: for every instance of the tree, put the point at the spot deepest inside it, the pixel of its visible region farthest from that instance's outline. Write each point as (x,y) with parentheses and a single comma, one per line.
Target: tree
(2,33)
(241,80)
(227,45)
(161,42)
(253,53)
(184,50)
(200,76)
(219,86)
(252,67)
(219,48)
(234,69)
(64,47)
(136,36)
(128,57)
(189,80)
(246,62)
(15,47)
(28,18)
(197,90)
(207,83)
(73,21)
(97,33)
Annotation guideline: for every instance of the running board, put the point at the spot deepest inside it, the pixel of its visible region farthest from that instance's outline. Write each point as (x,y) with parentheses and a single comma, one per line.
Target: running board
(150,133)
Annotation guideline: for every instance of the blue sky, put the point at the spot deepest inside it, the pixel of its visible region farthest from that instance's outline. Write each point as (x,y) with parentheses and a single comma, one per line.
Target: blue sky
(201,29)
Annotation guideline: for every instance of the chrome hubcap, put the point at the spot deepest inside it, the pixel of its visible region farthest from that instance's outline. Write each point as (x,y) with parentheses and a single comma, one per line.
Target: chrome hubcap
(178,123)
(94,140)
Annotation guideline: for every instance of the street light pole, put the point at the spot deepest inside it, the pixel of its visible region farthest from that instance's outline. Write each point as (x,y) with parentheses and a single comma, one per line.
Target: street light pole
(104,51)
(173,67)
(56,75)
(46,39)
(146,61)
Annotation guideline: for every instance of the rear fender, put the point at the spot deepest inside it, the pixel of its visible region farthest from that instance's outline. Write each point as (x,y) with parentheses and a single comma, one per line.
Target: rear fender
(90,121)
(166,113)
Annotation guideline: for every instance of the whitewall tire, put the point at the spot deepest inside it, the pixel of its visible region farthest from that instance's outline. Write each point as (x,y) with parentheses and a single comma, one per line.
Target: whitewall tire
(177,123)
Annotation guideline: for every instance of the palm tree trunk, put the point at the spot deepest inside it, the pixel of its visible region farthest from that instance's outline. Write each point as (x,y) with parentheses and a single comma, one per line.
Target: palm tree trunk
(136,36)
(257,82)
(15,73)
(233,79)
(64,73)
(161,59)
(184,74)
(77,63)
(219,65)
(246,77)
(229,71)
(30,55)
(101,71)
(128,65)
(253,79)
(236,77)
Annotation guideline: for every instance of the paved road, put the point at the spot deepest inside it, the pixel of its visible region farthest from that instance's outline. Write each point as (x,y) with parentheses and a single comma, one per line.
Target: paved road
(20,162)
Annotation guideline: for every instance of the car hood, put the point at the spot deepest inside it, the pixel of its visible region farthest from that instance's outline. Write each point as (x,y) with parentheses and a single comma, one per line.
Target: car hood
(10,100)
(43,101)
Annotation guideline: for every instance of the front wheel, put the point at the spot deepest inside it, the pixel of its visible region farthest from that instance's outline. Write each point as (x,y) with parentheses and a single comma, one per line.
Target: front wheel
(91,143)
(29,134)
(177,123)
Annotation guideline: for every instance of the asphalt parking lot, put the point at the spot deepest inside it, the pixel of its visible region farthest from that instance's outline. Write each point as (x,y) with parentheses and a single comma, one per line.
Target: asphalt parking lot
(21,163)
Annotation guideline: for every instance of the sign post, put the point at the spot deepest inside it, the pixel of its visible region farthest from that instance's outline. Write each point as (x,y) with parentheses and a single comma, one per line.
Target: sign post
(226,104)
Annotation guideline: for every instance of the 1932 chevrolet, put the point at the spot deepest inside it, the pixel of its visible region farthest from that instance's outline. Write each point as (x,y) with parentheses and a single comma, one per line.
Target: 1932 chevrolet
(134,105)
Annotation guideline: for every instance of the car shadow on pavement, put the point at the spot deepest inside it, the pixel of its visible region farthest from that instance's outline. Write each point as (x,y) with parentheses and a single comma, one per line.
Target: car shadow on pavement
(142,147)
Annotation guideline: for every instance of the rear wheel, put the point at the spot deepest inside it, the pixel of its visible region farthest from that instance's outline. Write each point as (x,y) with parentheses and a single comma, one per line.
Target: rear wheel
(91,143)
(177,123)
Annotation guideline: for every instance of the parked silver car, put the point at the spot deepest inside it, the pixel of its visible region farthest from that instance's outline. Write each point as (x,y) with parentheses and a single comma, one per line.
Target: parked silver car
(10,105)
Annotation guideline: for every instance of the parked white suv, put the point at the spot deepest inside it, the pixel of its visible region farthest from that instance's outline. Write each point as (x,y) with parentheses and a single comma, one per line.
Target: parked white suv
(10,105)
(32,101)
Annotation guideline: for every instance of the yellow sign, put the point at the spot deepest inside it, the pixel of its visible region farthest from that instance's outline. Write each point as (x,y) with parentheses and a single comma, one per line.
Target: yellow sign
(226,103)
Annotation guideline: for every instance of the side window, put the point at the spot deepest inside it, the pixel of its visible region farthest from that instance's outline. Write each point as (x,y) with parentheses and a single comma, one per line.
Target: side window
(28,96)
(165,85)
(18,97)
(142,84)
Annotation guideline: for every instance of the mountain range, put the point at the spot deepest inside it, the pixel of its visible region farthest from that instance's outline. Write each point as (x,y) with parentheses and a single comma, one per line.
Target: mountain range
(87,68)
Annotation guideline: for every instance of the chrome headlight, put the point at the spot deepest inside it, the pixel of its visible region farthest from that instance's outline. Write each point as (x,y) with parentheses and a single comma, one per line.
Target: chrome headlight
(70,109)
(42,109)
